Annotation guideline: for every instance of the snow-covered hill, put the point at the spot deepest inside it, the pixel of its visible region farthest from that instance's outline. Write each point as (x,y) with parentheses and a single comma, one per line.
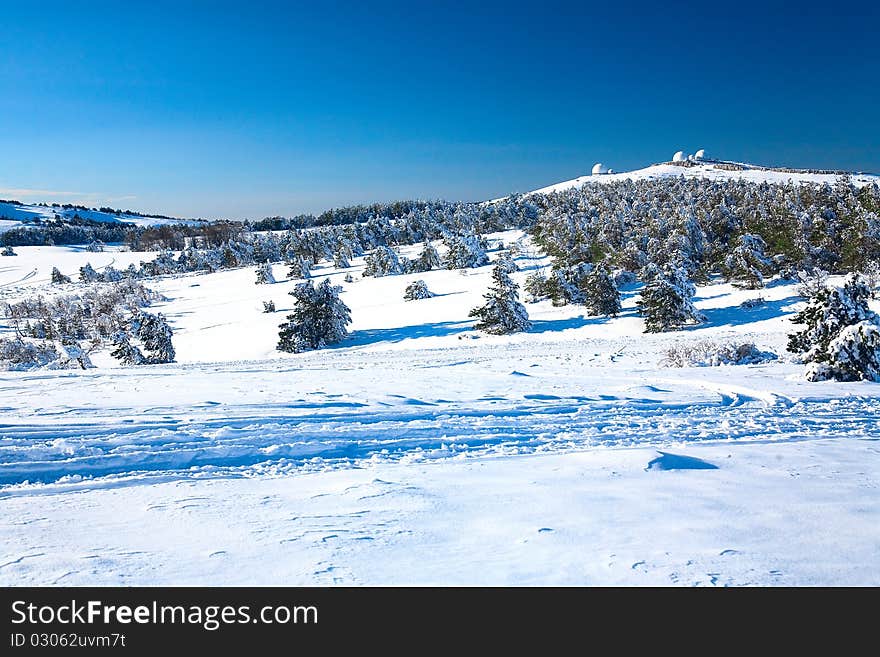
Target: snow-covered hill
(16,214)
(714,171)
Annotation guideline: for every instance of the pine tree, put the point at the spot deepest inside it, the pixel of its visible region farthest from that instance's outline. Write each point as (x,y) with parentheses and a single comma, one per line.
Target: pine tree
(428,259)
(154,335)
(417,290)
(601,296)
(535,287)
(319,318)
(383,261)
(268,306)
(502,313)
(58,278)
(464,252)
(87,274)
(666,301)
(746,264)
(840,340)
(299,268)
(7,251)
(341,258)
(264,274)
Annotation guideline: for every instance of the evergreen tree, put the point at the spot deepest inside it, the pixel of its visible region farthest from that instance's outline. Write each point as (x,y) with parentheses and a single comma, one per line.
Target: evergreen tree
(348,278)
(428,259)
(299,268)
(535,287)
(153,334)
(601,296)
(840,340)
(746,264)
(7,251)
(319,318)
(340,258)
(383,261)
(464,252)
(268,306)
(264,274)
(417,290)
(87,274)
(666,301)
(502,313)
(58,278)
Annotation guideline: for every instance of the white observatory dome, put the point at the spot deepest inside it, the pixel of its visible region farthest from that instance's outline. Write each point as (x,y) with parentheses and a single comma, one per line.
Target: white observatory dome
(700,154)
(599,168)
(679,156)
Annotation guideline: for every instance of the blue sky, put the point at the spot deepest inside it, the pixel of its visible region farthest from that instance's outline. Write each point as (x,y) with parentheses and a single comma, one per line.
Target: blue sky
(259,108)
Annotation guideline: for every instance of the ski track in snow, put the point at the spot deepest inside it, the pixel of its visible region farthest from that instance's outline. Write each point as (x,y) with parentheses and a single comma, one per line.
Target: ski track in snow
(79,448)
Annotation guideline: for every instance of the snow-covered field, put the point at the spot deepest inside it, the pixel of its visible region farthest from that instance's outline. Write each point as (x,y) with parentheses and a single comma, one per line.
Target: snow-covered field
(420,452)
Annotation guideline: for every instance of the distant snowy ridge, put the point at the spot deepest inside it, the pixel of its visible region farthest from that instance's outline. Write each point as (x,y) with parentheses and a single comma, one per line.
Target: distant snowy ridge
(30,212)
(716,170)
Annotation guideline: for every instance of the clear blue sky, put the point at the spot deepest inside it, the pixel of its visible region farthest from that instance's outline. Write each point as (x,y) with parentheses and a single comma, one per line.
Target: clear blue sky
(259,108)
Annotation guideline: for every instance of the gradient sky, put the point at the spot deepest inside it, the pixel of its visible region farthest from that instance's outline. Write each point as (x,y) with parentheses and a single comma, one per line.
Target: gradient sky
(257,108)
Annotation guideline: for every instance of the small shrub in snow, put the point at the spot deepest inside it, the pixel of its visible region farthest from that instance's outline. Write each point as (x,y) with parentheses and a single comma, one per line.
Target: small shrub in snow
(840,340)
(507,262)
(264,274)
(417,290)
(707,353)
(7,251)
(750,304)
(502,312)
(17,354)
(348,278)
(268,306)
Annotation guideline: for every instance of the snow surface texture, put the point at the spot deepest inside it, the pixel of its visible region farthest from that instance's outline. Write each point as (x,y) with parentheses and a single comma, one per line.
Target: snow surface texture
(420,452)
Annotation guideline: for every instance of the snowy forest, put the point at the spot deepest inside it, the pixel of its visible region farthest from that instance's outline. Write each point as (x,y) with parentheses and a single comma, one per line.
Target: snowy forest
(665,234)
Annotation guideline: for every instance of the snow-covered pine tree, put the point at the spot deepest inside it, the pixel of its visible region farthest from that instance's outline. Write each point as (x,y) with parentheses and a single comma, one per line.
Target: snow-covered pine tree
(264,274)
(840,340)
(507,262)
(417,290)
(319,318)
(87,274)
(144,332)
(601,296)
(383,261)
(341,257)
(428,259)
(299,268)
(58,278)
(502,313)
(746,264)
(464,252)
(348,278)
(155,335)
(95,246)
(666,300)
(7,251)
(268,306)
(535,287)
